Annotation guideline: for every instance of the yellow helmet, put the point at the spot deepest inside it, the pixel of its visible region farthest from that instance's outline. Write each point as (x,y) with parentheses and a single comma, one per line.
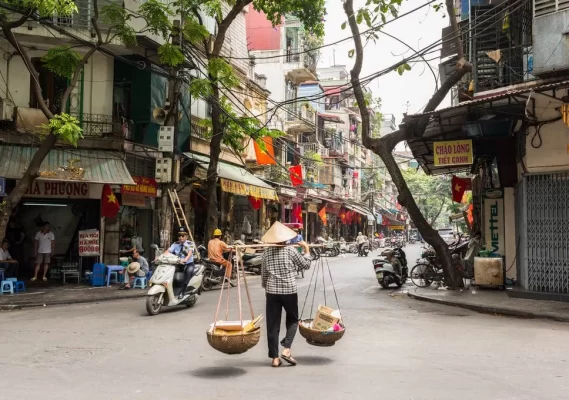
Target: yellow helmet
(217,232)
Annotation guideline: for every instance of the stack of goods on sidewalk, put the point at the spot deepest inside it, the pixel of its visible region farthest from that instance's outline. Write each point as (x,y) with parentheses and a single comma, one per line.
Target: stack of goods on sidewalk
(325,329)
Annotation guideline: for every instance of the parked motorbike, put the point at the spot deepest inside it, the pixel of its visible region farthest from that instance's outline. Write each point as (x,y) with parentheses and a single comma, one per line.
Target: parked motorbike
(330,248)
(214,273)
(252,261)
(167,283)
(364,250)
(386,273)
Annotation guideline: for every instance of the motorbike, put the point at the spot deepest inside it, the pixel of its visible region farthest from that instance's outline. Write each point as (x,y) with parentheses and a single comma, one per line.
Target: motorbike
(363,251)
(330,248)
(385,271)
(252,261)
(214,273)
(167,283)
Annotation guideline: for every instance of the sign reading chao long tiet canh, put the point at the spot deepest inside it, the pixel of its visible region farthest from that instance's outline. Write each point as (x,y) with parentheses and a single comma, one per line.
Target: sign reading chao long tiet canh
(458,152)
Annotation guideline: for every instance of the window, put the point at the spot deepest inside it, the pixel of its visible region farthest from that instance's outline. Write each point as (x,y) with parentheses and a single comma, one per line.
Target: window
(544,7)
(52,87)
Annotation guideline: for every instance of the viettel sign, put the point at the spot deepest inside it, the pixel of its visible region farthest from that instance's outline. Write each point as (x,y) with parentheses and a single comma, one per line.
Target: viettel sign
(457,152)
(494,224)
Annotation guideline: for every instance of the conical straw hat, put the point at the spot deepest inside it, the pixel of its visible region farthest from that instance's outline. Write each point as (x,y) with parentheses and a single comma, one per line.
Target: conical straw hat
(133,267)
(278,233)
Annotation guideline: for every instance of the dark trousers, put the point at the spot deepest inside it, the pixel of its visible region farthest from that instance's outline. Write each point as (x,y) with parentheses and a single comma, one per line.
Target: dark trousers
(9,269)
(188,274)
(275,305)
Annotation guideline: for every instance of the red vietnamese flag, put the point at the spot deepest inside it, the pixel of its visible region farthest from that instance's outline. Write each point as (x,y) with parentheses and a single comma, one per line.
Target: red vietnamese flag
(109,203)
(459,186)
(255,202)
(296,175)
(322,215)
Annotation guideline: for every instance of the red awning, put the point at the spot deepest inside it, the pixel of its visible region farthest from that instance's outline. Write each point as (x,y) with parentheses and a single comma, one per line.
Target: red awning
(331,118)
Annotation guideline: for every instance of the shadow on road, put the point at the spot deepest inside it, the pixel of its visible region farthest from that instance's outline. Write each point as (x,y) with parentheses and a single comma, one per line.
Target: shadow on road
(218,372)
(313,360)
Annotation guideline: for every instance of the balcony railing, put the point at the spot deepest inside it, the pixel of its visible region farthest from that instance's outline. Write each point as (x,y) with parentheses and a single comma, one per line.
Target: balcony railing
(315,148)
(100,125)
(275,173)
(82,18)
(299,55)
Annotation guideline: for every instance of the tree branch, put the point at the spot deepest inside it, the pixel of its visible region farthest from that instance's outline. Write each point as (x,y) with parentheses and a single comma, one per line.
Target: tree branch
(11,38)
(76,76)
(226,23)
(94,22)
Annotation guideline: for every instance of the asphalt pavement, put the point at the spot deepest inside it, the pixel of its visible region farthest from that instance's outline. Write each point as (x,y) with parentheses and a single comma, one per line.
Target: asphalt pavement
(394,348)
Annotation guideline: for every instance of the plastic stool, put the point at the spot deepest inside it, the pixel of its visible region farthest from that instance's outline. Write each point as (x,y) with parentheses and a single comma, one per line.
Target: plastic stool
(7,287)
(114,277)
(12,279)
(139,282)
(20,287)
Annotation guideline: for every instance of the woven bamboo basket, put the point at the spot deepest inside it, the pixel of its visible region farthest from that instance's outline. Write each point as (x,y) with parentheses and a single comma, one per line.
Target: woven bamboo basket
(319,338)
(234,344)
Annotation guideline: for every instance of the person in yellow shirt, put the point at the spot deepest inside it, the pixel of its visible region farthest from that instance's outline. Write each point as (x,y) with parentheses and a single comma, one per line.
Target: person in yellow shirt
(215,249)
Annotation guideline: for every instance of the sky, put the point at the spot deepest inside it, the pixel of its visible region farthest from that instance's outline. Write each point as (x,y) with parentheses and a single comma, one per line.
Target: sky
(418,30)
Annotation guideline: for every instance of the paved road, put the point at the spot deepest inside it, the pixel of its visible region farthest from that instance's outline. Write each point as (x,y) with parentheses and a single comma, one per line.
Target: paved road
(394,348)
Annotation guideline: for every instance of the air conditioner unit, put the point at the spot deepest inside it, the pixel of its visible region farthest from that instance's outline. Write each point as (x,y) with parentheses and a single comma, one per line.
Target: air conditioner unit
(6,110)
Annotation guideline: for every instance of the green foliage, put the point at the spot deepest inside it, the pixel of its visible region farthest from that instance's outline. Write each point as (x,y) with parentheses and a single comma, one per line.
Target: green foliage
(171,55)
(118,17)
(371,180)
(62,61)
(201,88)
(194,32)
(65,127)
(402,68)
(157,16)
(313,158)
(431,193)
(310,12)
(45,8)
(222,73)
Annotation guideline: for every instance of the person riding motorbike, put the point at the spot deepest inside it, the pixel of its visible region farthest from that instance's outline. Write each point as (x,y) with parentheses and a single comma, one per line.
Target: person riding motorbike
(184,249)
(215,249)
(300,240)
(360,241)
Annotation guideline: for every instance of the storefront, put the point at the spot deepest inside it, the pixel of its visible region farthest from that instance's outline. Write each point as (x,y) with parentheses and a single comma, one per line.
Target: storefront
(247,204)
(67,195)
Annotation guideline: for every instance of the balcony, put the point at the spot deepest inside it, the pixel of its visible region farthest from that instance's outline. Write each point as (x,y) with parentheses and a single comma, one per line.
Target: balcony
(301,66)
(300,118)
(315,148)
(100,125)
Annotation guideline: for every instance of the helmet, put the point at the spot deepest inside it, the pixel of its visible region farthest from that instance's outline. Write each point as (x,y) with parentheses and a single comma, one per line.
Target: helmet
(182,230)
(217,232)
(359,233)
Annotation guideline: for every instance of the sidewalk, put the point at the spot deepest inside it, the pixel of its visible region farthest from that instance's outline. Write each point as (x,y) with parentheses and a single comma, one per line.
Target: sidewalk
(41,295)
(494,302)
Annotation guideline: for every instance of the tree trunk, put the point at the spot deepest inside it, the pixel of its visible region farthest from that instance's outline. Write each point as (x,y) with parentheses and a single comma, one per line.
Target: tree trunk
(31,173)
(214,153)
(437,215)
(384,146)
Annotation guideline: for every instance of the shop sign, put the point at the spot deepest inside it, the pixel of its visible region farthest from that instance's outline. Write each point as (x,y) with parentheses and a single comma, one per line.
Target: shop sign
(312,208)
(89,243)
(494,224)
(146,187)
(243,189)
(64,190)
(133,200)
(396,227)
(457,152)
(333,208)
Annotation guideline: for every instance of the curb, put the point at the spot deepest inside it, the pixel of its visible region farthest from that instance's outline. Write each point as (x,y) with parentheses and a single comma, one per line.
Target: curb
(491,310)
(13,307)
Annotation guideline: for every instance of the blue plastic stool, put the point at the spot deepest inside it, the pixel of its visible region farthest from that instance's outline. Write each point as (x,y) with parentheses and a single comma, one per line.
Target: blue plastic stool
(139,282)
(20,287)
(7,287)
(114,277)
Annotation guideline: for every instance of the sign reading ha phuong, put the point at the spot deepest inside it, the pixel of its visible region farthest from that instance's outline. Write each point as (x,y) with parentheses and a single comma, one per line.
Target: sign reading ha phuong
(458,152)
(89,243)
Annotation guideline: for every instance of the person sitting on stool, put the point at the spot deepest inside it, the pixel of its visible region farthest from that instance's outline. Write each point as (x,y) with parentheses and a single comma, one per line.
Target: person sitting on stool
(9,265)
(138,268)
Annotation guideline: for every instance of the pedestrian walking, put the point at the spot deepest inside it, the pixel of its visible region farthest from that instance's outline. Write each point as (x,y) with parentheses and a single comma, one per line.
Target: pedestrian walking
(279,269)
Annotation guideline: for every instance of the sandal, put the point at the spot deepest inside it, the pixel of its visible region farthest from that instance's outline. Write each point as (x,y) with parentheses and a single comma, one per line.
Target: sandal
(289,359)
(278,364)
(44,279)
(33,279)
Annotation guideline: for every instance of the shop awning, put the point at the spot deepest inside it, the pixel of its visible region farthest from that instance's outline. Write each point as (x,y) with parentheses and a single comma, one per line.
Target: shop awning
(331,118)
(360,210)
(389,220)
(99,166)
(237,180)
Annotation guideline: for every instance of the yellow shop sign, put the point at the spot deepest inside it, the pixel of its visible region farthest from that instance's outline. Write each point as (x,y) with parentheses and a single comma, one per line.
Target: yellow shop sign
(243,189)
(457,152)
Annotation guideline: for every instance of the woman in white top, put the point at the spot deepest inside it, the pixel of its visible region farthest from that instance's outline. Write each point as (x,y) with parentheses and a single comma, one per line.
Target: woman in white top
(44,245)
